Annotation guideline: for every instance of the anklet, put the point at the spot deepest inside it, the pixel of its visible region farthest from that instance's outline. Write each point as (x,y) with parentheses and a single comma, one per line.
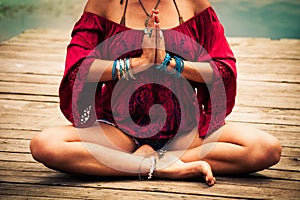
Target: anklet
(139,170)
(152,167)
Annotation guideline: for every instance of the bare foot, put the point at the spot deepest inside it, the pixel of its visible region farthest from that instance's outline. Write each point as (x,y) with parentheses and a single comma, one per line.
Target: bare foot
(172,167)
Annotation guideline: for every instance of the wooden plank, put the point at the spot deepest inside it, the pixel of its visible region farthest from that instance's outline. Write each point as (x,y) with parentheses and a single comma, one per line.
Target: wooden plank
(30,78)
(29,88)
(264,70)
(19,66)
(265,115)
(17,48)
(17,134)
(253,180)
(279,174)
(265,48)
(30,98)
(196,187)
(28,108)
(29,56)
(268,89)
(67,192)
(16,157)
(20,197)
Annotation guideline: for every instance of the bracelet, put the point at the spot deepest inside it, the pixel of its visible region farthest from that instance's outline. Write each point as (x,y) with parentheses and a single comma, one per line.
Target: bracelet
(122,69)
(119,70)
(128,63)
(114,70)
(179,66)
(152,167)
(163,66)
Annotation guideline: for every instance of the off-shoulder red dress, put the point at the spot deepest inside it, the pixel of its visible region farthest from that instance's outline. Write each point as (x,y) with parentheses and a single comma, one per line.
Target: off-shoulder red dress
(199,39)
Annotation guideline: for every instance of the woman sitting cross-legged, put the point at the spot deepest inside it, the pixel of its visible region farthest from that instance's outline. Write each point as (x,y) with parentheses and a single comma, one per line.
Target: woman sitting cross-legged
(147,87)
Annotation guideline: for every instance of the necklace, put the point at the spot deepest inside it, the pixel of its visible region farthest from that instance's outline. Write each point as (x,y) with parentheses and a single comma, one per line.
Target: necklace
(148,15)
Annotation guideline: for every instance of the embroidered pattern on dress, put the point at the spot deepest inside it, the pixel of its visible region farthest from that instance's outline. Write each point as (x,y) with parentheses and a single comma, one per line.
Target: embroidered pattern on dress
(86,115)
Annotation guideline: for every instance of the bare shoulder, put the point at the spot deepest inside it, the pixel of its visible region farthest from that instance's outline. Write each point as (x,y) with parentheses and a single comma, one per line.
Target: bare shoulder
(98,7)
(199,5)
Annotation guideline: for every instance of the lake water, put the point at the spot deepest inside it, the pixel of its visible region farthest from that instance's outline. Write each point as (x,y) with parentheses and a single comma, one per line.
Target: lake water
(242,18)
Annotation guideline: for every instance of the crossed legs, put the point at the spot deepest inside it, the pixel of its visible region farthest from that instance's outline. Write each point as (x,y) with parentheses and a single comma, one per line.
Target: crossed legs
(110,152)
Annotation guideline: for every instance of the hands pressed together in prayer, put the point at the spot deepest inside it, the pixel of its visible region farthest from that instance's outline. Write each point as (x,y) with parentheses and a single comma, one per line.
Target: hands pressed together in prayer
(153,42)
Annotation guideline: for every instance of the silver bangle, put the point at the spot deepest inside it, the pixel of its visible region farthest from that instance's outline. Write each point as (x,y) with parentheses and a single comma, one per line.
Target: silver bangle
(118,69)
(123,70)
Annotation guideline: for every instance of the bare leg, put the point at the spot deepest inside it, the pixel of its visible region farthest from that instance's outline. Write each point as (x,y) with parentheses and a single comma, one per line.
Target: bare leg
(66,149)
(239,149)
(91,153)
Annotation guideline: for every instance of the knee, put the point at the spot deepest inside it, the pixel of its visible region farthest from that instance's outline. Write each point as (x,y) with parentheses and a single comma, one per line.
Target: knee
(42,147)
(267,151)
(273,150)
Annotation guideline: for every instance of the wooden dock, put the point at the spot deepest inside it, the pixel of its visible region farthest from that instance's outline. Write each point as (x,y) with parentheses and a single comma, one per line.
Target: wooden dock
(31,68)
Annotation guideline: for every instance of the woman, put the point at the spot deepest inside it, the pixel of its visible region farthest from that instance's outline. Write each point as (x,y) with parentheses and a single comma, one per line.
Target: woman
(117,46)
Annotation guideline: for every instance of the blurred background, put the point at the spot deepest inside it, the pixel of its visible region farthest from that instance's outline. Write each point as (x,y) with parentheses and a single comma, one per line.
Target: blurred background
(242,18)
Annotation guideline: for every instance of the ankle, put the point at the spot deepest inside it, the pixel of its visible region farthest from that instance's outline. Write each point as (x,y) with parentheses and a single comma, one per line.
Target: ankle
(148,167)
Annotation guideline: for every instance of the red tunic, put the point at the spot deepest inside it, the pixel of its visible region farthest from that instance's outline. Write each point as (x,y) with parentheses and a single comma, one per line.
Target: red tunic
(199,39)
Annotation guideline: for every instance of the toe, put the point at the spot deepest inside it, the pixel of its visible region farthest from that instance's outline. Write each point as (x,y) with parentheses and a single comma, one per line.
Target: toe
(207,173)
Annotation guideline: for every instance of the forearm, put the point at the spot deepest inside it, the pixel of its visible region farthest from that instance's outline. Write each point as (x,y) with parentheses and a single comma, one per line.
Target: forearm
(101,70)
(201,72)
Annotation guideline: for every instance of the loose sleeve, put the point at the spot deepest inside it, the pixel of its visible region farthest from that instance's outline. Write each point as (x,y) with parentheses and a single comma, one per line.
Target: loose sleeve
(75,102)
(222,90)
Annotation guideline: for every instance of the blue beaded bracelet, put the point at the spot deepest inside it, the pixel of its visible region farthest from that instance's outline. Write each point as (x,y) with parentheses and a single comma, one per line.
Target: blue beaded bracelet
(179,66)
(114,70)
(163,66)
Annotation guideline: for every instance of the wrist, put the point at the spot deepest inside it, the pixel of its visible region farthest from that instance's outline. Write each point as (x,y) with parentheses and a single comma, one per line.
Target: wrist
(139,64)
(172,64)
(138,61)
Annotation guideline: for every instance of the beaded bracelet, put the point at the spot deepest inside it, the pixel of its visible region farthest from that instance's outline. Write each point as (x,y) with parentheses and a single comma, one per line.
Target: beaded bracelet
(114,70)
(179,66)
(163,66)
(122,69)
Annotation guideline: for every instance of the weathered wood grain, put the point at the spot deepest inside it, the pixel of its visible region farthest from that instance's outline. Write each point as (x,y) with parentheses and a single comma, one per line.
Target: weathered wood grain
(227,189)
(268,98)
